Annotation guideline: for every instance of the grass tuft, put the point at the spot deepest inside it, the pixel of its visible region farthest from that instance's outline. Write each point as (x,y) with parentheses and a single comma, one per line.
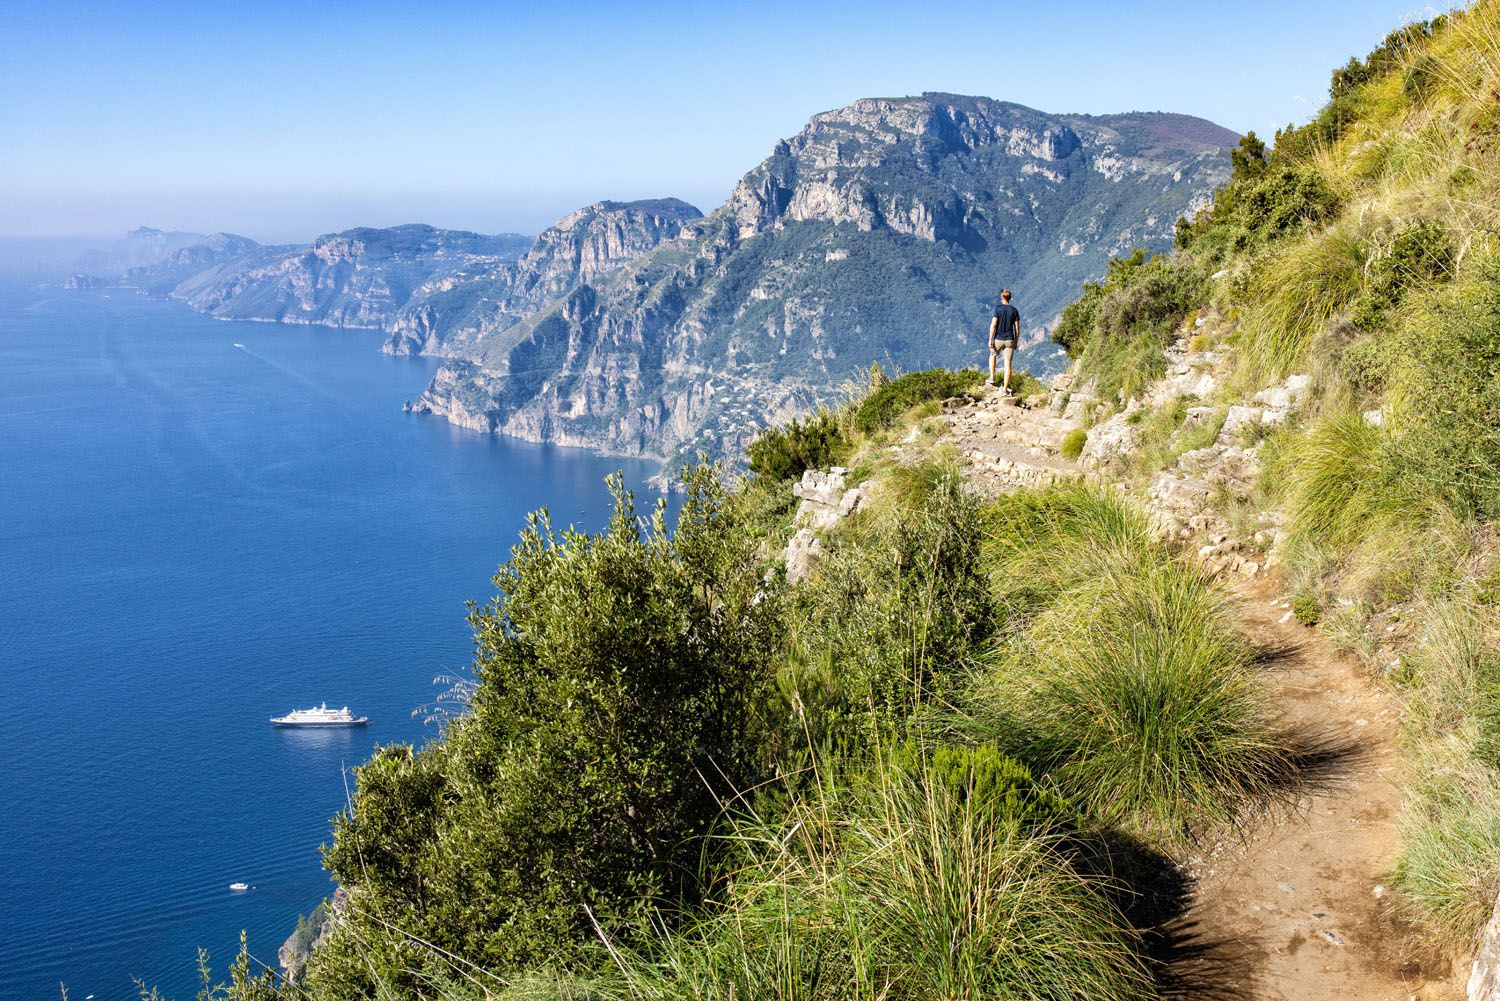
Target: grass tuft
(1125,681)
(899,887)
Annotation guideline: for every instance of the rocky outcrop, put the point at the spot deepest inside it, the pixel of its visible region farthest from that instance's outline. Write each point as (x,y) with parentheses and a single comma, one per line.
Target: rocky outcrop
(1189,374)
(1187,498)
(309,934)
(1110,443)
(877,233)
(1007,445)
(141,247)
(83,281)
(210,255)
(824,503)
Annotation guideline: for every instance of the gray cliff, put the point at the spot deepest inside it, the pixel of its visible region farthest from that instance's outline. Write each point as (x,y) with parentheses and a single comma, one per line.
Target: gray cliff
(452,315)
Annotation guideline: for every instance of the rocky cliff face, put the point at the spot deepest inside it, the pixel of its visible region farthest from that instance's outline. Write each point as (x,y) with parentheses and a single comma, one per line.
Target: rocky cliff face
(449,315)
(879,233)
(359,278)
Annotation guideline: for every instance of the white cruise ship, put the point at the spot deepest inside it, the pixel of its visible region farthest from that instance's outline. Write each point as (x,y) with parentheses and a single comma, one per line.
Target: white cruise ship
(321,716)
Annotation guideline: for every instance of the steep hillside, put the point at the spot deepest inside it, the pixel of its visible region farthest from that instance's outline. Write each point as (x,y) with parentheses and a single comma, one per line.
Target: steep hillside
(1330,332)
(881,232)
(451,313)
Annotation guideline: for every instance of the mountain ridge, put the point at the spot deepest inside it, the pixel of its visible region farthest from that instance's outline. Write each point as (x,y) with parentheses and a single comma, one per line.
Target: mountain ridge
(880,232)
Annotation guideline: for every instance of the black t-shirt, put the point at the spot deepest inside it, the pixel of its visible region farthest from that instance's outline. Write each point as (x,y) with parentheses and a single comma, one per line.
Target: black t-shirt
(1009,317)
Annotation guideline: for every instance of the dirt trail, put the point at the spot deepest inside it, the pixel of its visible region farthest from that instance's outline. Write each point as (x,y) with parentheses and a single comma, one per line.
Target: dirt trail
(1293,906)
(1301,894)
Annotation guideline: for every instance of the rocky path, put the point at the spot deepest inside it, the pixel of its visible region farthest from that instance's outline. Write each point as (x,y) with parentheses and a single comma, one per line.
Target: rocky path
(1005,445)
(1298,897)
(1293,906)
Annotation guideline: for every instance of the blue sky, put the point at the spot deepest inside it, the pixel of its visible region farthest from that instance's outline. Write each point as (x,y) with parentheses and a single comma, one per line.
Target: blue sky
(284,120)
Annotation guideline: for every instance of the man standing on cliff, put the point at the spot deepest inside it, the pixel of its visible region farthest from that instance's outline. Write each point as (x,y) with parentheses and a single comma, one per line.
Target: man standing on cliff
(1005,335)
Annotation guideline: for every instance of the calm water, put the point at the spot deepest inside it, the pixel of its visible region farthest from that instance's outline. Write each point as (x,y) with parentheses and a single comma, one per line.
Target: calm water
(193,537)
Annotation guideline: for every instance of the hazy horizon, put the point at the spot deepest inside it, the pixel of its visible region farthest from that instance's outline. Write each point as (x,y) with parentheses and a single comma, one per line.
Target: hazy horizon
(298,121)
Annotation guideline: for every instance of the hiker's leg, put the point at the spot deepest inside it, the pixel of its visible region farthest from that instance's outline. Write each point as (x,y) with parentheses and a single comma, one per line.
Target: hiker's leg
(1009,352)
(992,363)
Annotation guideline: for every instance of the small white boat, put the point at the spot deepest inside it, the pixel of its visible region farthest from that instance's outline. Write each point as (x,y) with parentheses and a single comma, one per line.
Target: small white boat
(321,716)
(239,887)
(239,345)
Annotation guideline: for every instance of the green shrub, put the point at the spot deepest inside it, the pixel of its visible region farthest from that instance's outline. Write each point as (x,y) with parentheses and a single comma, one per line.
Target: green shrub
(894,612)
(1265,200)
(621,679)
(1391,54)
(1119,328)
(1420,256)
(1075,327)
(1073,442)
(784,453)
(1449,864)
(1307,609)
(1335,478)
(1366,364)
(1456,665)
(985,780)
(883,407)
(1446,428)
(1297,290)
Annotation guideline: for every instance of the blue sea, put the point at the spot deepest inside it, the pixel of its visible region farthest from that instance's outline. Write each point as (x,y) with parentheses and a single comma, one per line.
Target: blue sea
(195,536)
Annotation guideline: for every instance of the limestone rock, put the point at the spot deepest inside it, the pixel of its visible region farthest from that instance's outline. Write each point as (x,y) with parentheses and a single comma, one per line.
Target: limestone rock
(1110,443)
(1287,396)
(820,488)
(1189,374)
(1484,975)
(825,503)
(1080,401)
(802,549)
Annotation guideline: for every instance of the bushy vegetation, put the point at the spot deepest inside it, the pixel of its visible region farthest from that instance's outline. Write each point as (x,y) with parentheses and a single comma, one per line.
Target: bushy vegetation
(831,436)
(1382,284)
(882,408)
(1072,443)
(898,609)
(619,680)
(903,886)
(1119,328)
(784,453)
(1123,677)
(683,777)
